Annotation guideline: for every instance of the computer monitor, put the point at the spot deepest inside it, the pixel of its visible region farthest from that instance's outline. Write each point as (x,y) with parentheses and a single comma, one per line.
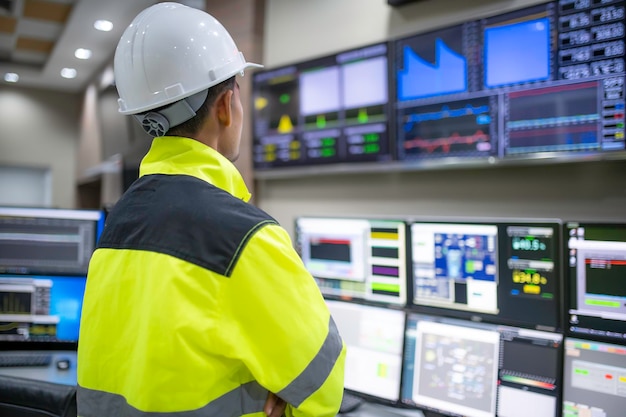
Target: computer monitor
(455,367)
(355,258)
(596,266)
(374,337)
(319,111)
(542,80)
(44,257)
(594,378)
(504,271)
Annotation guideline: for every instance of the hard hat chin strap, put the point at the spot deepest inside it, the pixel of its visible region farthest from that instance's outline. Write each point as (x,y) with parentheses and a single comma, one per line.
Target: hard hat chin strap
(158,123)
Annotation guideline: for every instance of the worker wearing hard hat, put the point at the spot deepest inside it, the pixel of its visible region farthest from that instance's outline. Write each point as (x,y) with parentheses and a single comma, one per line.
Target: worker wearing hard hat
(196,302)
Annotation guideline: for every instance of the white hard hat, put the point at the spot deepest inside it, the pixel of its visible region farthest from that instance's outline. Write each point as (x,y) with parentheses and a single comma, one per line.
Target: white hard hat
(170,52)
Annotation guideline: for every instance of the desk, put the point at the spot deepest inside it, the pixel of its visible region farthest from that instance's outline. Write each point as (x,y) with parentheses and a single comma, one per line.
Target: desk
(377,410)
(48,373)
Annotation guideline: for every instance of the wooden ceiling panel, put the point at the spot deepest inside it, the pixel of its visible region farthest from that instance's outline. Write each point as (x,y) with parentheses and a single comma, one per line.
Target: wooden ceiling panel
(36,45)
(46,10)
(7,24)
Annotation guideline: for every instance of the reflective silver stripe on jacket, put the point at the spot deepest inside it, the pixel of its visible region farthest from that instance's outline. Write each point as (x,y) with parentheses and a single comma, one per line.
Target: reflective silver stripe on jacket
(316,373)
(246,399)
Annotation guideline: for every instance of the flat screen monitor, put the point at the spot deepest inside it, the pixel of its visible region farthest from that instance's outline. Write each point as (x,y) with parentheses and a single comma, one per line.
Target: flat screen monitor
(596,267)
(594,378)
(544,80)
(503,271)
(374,338)
(44,256)
(327,110)
(355,258)
(456,367)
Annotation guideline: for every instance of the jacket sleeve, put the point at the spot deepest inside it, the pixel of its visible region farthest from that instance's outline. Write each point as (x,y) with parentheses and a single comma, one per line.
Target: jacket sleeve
(291,345)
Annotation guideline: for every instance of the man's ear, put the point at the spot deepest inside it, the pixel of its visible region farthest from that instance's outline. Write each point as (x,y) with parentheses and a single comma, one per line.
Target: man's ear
(224,112)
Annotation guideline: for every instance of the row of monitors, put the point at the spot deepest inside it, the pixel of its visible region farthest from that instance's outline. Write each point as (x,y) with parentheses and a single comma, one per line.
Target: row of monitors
(539,274)
(544,80)
(505,272)
(44,257)
(453,367)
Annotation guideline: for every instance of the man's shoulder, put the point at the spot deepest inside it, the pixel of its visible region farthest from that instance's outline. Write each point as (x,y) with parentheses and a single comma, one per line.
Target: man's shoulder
(194,198)
(184,217)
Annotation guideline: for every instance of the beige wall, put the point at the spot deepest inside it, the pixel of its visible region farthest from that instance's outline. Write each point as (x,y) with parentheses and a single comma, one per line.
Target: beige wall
(40,129)
(299,29)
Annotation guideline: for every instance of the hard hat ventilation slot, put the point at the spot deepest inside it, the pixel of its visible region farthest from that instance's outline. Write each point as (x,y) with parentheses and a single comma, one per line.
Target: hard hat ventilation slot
(158,123)
(155,124)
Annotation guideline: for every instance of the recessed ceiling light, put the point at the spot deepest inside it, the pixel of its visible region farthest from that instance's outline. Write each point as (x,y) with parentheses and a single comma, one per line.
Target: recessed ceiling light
(82,53)
(68,73)
(11,77)
(103,25)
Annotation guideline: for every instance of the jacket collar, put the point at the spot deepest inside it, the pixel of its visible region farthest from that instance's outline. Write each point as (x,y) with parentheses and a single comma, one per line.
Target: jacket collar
(173,155)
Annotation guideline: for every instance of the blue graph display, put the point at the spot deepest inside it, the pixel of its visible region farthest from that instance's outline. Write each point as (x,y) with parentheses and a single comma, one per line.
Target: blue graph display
(419,78)
(66,302)
(528,61)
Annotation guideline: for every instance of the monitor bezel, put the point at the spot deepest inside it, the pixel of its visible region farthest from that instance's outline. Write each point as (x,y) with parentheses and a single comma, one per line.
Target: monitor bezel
(499,222)
(569,288)
(50,345)
(369,397)
(397,219)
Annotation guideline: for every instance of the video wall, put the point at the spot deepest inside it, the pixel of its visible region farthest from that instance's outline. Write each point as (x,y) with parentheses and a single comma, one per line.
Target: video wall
(461,316)
(333,109)
(544,80)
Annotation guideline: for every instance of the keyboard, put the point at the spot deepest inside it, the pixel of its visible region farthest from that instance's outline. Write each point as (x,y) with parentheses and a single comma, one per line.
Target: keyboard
(349,402)
(24,359)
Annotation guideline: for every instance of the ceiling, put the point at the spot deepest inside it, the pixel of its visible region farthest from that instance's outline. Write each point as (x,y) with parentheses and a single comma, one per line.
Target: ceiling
(38,38)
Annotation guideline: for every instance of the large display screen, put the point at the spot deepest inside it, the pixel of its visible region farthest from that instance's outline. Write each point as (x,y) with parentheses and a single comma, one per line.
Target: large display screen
(545,79)
(596,302)
(355,258)
(542,82)
(502,271)
(462,368)
(374,337)
(328,110)
(44,257)
(594,378)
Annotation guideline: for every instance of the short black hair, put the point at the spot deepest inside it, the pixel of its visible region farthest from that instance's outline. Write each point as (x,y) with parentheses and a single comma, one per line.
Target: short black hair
(192,126)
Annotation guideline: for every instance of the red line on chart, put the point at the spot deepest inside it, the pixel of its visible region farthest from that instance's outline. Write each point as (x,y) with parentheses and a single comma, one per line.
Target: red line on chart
(431,145)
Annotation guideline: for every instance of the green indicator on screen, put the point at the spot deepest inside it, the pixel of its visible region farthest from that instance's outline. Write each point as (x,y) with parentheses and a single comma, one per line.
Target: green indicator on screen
(378,286)
(320,122)
(371,137)
(371,148)
(603,303)
(284,98)
(383,370)
(547,295)
(581,371)
(328,141)
(328,152)
(363,117)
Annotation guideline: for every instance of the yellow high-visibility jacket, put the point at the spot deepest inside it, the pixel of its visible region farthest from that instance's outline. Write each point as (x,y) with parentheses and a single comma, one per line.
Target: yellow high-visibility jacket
(198,305)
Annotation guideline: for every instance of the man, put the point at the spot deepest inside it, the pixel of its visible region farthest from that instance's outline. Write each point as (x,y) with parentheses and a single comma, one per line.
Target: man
(196,302)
